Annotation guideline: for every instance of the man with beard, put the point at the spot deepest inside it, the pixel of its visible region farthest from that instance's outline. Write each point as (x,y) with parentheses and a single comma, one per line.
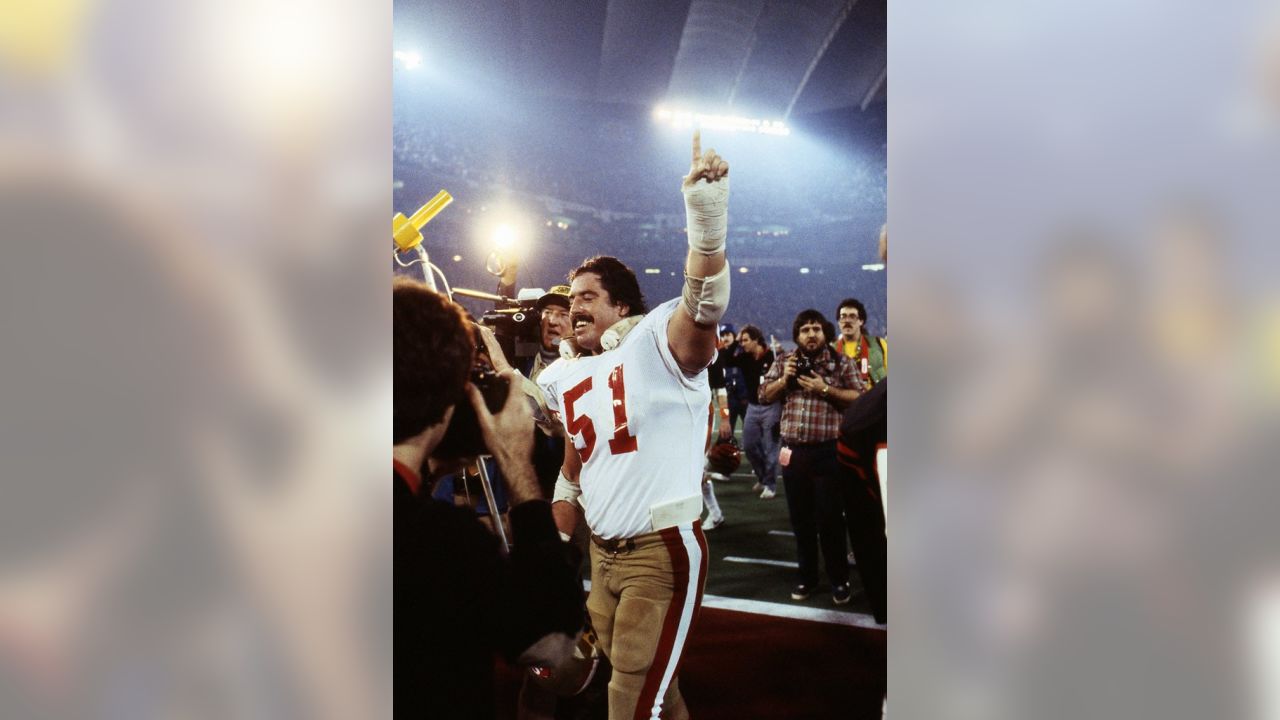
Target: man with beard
(817,383)
(633,394)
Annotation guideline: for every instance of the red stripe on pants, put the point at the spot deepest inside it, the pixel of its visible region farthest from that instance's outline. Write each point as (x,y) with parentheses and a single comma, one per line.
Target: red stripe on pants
(679,591)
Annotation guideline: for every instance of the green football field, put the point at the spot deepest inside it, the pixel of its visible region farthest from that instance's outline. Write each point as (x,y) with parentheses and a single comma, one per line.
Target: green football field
(748,550)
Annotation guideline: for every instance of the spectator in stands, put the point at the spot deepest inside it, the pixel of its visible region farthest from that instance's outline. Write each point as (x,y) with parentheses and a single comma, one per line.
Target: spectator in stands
(869,354)
(760,430)
(816,383)
(458,598)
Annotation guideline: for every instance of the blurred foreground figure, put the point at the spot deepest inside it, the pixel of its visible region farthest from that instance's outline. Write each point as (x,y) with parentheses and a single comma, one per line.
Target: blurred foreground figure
(457,598)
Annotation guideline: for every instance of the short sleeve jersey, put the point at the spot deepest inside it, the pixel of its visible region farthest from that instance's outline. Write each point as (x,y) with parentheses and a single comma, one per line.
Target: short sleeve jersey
(639,424)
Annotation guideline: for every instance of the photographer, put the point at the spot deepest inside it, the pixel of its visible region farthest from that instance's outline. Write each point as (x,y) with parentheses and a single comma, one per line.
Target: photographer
(817,383)
(458,599)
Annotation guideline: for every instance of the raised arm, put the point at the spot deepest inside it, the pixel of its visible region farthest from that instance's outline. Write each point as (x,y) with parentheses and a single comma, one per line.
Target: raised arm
(691,334)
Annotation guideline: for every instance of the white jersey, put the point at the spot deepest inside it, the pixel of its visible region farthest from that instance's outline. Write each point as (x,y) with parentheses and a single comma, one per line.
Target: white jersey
(638,422)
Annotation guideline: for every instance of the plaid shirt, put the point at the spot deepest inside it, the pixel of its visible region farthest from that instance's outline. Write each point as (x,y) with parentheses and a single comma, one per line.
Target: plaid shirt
(808,417)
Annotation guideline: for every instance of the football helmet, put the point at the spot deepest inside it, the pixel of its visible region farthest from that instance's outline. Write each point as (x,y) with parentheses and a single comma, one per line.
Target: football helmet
(724,458)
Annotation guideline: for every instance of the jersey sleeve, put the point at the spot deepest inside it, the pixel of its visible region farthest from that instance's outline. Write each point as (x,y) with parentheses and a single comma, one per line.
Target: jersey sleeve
(653,330)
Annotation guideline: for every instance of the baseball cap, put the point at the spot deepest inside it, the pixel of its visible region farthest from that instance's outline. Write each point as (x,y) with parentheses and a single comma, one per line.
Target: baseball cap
(557,295)
(727,328)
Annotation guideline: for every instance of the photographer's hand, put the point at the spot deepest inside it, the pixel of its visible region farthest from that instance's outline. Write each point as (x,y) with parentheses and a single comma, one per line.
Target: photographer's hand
(812,383)
(509,437)
(491,344)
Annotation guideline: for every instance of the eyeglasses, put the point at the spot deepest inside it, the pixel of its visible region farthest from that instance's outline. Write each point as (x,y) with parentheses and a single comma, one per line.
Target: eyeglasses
(849,316)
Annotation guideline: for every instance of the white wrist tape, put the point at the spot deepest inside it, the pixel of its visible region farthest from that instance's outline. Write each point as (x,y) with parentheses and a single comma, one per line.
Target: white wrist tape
(706,299)
(706,208)
(566,491)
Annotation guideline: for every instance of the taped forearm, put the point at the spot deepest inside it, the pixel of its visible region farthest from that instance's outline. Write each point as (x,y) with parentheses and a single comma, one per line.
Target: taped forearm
(706,299)
(566,491)
(706,207)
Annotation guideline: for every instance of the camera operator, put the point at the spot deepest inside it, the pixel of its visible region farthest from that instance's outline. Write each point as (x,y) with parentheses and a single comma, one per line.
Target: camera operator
(817,383)
(458,599)
(553,326)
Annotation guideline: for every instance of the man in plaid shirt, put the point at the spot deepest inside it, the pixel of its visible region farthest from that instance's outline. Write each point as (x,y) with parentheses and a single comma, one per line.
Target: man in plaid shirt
(810,426)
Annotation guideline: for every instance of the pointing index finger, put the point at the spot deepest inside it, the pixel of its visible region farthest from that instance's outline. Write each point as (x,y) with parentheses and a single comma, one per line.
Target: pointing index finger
(697,145)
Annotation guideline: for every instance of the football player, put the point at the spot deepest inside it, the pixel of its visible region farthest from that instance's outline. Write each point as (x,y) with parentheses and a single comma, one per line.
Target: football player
(632,394)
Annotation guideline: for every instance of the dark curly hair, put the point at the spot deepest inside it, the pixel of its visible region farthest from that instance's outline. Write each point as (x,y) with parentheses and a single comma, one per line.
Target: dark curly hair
(810,316)
(854,303)
(752,332)
(433,347)
(617,279)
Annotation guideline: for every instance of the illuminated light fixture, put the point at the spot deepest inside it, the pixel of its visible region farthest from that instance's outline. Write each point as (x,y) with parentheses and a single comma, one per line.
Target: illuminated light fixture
(684,119)
(408,59)
(742,270)
(874,267)
(652,271)
(457,258)
(804,271)
(504,237)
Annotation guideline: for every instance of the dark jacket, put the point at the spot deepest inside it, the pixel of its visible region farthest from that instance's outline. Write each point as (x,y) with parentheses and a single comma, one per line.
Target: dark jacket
(458,600)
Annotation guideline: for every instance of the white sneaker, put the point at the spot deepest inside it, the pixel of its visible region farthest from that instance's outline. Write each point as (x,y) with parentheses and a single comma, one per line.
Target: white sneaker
(711,523)
(757,487)
(768,494)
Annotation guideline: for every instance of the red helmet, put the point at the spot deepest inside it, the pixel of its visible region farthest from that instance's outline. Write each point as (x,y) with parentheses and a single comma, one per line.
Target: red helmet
(724,458)
(577,671)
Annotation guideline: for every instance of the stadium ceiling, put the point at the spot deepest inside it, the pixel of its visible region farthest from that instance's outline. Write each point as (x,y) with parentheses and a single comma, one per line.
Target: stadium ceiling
(766,58)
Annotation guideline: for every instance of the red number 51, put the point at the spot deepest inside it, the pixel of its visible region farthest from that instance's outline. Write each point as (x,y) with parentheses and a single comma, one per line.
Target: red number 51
(622,441)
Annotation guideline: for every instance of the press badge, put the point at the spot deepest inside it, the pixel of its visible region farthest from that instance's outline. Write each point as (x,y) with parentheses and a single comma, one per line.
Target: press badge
(784,456)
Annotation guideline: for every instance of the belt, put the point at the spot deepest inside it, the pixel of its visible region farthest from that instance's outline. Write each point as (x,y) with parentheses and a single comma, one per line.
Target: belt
(615,545)
(802,446)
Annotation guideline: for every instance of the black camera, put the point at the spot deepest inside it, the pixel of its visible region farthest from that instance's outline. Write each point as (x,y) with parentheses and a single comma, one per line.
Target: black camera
(463,438)
(804,366)
(516,323)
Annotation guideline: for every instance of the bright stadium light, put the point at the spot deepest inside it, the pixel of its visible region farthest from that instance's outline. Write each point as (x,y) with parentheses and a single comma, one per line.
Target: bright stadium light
(873,267)
(742,270)
(685,119)
(804,271)
(652,271)
(409,59)
(504,237)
